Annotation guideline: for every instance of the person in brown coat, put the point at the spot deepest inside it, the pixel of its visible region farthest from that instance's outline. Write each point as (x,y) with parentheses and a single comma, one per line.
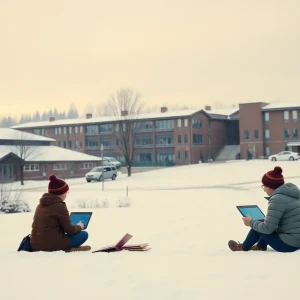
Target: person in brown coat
(52,229)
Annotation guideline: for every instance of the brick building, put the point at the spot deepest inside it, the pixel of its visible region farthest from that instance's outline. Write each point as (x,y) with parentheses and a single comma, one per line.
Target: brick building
(183,137)
(170,138)
(267,129)
(41,157)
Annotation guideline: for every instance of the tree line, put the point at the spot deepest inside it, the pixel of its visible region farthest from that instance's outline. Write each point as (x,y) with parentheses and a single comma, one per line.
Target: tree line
(72,113)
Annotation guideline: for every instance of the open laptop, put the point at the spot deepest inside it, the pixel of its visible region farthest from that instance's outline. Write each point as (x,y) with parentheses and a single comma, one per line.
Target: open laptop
(251,210)
(84,217)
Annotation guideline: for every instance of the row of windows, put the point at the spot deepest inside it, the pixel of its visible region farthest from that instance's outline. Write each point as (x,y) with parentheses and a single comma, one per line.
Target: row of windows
(286,116)
(287,134)
(108,128)
(35,167)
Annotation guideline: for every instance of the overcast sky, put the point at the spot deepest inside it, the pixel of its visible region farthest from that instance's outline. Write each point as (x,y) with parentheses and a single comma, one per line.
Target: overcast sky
(192,52)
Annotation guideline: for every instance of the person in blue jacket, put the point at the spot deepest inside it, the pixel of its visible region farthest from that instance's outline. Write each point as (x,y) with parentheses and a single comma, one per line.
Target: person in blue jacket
(281,227)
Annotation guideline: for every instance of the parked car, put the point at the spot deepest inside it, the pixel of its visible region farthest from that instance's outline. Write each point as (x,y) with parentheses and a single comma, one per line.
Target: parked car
(109,172)
(112,161)
(285,155)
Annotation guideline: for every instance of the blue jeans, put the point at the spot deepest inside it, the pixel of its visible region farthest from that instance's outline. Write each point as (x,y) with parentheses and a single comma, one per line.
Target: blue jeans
(78,239)
(263,240)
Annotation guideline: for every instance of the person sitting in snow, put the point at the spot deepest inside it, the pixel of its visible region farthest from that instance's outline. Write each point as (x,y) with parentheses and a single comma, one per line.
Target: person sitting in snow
(281,227)
(52,229)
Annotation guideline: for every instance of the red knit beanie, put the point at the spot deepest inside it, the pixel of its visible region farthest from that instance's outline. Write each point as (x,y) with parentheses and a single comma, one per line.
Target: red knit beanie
(57,186)
(273,179)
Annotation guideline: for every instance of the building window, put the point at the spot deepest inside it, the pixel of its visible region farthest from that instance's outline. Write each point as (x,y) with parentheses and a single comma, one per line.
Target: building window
(186,155)
(267,151)
(179,139)
(76,145)
(166,141)
(142,141)
(70,130)
(185,139)
(197,139)
(186,122)
(58,143)
(65,130)
(81,129)
(295,133)
(65,144)
(267,134)
(295,115)
(36,131)
(80,145)
(144,126)
(107,143)
(256,134)
(88,165)
(286,133)
(91,144)
(164,125)
(70,144)
(196,123)
(106,128)
(76,129)
(61,166)
(31,167)
(246,134)
(179,123)
(179,155)
(91,129)
(286,115)
(267,117)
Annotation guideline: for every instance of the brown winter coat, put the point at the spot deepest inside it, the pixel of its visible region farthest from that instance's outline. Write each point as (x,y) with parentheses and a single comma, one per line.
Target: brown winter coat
(50,225)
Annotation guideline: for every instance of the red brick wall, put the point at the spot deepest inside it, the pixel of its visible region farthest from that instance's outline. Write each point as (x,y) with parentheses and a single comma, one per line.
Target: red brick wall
(251,118)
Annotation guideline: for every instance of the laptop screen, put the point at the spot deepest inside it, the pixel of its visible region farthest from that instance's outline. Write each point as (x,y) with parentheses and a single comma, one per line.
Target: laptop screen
(251,210)
(84,217)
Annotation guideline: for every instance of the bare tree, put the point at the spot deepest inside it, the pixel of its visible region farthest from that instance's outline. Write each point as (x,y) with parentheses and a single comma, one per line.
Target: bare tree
(23,147)
(126,107)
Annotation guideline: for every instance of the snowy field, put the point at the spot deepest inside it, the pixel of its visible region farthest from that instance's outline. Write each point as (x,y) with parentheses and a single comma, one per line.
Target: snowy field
(187,215)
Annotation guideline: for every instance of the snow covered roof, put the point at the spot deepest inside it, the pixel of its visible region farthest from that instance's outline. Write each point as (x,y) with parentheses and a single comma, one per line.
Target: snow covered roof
(49,154)
(12,134)
(144,116)
(281,106)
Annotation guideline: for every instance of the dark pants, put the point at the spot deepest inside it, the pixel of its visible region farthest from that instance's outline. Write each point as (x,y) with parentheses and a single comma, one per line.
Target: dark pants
(263,240)
(78,239)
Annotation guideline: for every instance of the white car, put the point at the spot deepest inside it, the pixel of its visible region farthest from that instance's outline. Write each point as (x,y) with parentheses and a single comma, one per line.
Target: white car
(109,172)
(285,155)
(112,161)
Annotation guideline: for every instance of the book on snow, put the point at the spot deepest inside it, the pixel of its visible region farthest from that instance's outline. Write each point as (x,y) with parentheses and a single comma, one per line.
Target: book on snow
(121,245)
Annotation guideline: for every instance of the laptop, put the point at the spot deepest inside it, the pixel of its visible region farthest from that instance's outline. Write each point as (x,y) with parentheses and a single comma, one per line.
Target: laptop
(251,210)
(84,217)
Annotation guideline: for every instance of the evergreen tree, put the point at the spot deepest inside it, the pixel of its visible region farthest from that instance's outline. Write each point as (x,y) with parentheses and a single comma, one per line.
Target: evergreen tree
(72,112)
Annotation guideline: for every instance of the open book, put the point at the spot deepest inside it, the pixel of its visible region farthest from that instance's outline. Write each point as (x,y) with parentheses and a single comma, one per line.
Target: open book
(121,246)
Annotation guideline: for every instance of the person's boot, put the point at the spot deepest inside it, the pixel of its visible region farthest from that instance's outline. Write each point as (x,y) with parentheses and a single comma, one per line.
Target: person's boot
(235,246)
(256,247)
(81,248)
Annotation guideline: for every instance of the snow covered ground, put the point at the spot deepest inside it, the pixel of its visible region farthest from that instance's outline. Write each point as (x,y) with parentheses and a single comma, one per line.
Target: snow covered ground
(187,214)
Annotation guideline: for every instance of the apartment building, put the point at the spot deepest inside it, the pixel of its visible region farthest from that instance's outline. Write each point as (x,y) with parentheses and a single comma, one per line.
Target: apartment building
(267,129)
(169,138)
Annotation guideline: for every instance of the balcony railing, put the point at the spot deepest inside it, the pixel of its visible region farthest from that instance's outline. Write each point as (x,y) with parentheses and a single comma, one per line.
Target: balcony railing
(164,145)
(164,129)
(92,147)
(106,132)
(91,133)
(144,130)
(144,146)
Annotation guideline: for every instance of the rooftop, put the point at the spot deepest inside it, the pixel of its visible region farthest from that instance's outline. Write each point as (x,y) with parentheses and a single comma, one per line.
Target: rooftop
(215,113)
(49,154)
(12,134)
(281,105)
